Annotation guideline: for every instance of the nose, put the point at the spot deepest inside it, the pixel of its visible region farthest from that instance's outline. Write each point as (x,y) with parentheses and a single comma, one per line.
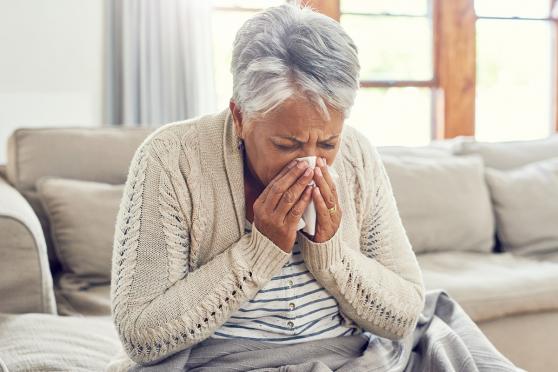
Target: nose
(311,159)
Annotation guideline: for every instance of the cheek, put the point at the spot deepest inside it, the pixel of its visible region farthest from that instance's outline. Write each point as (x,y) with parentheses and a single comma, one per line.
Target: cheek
(330,156)
(269,161)
(273,165)
(267,165)
(271,170)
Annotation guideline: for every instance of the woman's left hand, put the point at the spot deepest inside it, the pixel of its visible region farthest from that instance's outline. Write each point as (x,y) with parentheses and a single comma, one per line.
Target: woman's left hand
(328,212)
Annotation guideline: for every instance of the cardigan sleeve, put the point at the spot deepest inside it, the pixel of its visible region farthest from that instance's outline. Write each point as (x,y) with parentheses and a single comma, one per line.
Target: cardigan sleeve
(379,285)
(158,306)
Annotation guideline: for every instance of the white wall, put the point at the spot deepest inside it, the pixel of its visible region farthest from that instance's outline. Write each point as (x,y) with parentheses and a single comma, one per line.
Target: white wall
(51,64)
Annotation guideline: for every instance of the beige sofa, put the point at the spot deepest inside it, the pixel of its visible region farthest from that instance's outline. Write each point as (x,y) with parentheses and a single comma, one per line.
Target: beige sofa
(51,318)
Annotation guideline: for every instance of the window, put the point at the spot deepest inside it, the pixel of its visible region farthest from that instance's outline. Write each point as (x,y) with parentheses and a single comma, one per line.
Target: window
(514,69)
(395,46)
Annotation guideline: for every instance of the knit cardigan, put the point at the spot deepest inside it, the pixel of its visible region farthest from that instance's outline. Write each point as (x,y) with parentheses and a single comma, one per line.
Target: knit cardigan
(182,263)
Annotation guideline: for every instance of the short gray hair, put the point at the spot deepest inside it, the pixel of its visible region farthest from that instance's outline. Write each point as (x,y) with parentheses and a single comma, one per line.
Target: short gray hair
(291,50)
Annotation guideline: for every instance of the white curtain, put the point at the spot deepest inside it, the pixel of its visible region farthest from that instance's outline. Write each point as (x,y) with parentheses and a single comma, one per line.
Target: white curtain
(159,61)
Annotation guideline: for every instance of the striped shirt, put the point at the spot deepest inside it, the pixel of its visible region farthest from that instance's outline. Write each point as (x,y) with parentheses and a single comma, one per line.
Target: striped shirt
(292,307)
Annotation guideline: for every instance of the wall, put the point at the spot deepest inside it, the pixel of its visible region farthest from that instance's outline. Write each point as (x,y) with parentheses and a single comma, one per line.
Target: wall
(51,64)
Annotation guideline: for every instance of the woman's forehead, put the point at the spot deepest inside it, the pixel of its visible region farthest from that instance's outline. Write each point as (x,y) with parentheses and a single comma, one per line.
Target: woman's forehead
(293,118)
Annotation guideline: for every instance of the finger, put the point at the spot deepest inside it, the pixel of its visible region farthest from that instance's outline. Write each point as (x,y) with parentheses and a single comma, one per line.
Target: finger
(283,171)
(292,194)
(295,213)
(324,187)
(283,184)
(322,211)
(329,179)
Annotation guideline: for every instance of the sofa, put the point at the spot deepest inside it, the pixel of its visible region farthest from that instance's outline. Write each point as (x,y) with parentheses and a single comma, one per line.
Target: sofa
(481,217)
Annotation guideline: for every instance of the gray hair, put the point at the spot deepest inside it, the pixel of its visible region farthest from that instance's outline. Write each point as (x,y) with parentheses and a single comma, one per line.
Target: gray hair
(291,50)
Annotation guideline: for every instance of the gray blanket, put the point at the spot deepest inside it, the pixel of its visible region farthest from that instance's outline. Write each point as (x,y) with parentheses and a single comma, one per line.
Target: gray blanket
(445,339)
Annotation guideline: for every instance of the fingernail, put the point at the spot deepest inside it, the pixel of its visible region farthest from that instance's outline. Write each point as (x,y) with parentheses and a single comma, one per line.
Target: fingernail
(318,171)
(291,164)
(303,164)
(324,161)
(308,171)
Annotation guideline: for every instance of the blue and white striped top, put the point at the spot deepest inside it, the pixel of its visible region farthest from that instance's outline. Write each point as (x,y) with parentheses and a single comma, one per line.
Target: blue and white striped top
(292,307)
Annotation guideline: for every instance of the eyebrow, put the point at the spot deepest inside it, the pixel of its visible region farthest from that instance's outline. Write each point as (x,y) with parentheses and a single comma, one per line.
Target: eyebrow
(294,139)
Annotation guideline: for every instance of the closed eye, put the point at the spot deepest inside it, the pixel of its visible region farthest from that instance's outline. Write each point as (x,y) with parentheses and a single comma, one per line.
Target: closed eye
(327,146)
(286,148)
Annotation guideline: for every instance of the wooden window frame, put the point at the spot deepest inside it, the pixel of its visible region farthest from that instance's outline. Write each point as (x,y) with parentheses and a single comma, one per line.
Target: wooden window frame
(454,76)
(453,80)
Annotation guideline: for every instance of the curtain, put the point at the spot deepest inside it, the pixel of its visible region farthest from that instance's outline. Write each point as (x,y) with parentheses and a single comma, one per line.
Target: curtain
(159,65)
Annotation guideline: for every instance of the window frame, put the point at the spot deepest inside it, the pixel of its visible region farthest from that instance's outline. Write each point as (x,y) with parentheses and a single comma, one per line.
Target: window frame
(454,78)
(432,83)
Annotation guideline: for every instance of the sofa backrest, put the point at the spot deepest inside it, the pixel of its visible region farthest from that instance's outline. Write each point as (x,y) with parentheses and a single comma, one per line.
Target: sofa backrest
(412,168)
(442,198)
(88,154)
(507,155)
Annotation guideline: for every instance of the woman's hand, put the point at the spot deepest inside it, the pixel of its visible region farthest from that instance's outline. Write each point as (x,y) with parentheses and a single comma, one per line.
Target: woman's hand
(280,206)
(325,198)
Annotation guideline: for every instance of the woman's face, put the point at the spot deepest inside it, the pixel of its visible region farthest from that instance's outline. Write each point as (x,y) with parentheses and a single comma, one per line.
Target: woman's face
(295,129)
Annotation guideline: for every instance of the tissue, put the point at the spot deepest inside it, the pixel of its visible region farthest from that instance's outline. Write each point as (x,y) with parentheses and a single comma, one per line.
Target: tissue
(308,221)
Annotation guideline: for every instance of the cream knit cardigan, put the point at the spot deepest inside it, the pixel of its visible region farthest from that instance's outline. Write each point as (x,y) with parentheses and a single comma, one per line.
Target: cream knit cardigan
(182,264)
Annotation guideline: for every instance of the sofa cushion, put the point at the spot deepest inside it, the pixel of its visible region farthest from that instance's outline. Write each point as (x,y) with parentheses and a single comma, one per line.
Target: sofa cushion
(417,151)
(551,256)
(490,286)
(526,205)
(82,217)
(435,149)
(69,152)
(75,297)
(510,154)
(443,202)
(41,342)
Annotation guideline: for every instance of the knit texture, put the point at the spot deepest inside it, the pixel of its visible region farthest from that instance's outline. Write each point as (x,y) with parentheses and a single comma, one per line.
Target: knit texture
(293,307)
(182,263)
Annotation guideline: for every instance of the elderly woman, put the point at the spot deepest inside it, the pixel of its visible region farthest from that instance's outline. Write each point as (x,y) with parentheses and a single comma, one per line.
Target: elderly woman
(208,242)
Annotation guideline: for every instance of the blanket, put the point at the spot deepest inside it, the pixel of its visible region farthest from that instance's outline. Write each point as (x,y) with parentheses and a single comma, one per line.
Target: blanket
(445,339)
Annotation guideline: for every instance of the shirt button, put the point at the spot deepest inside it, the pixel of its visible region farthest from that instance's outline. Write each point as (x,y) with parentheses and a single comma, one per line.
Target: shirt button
(290,282)
(291,306)
(290,324)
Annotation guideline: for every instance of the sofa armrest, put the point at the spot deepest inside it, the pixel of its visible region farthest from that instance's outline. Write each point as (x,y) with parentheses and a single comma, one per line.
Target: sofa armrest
(25,278)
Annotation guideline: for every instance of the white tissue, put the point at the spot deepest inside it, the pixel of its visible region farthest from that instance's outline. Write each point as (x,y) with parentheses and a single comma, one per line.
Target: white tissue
(308,221)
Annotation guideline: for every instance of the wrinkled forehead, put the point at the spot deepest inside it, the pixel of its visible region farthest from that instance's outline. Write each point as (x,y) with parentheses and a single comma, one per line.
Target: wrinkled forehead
(298,118)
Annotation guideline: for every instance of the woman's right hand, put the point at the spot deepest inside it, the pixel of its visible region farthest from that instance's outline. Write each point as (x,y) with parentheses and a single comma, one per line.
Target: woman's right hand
(279,207)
